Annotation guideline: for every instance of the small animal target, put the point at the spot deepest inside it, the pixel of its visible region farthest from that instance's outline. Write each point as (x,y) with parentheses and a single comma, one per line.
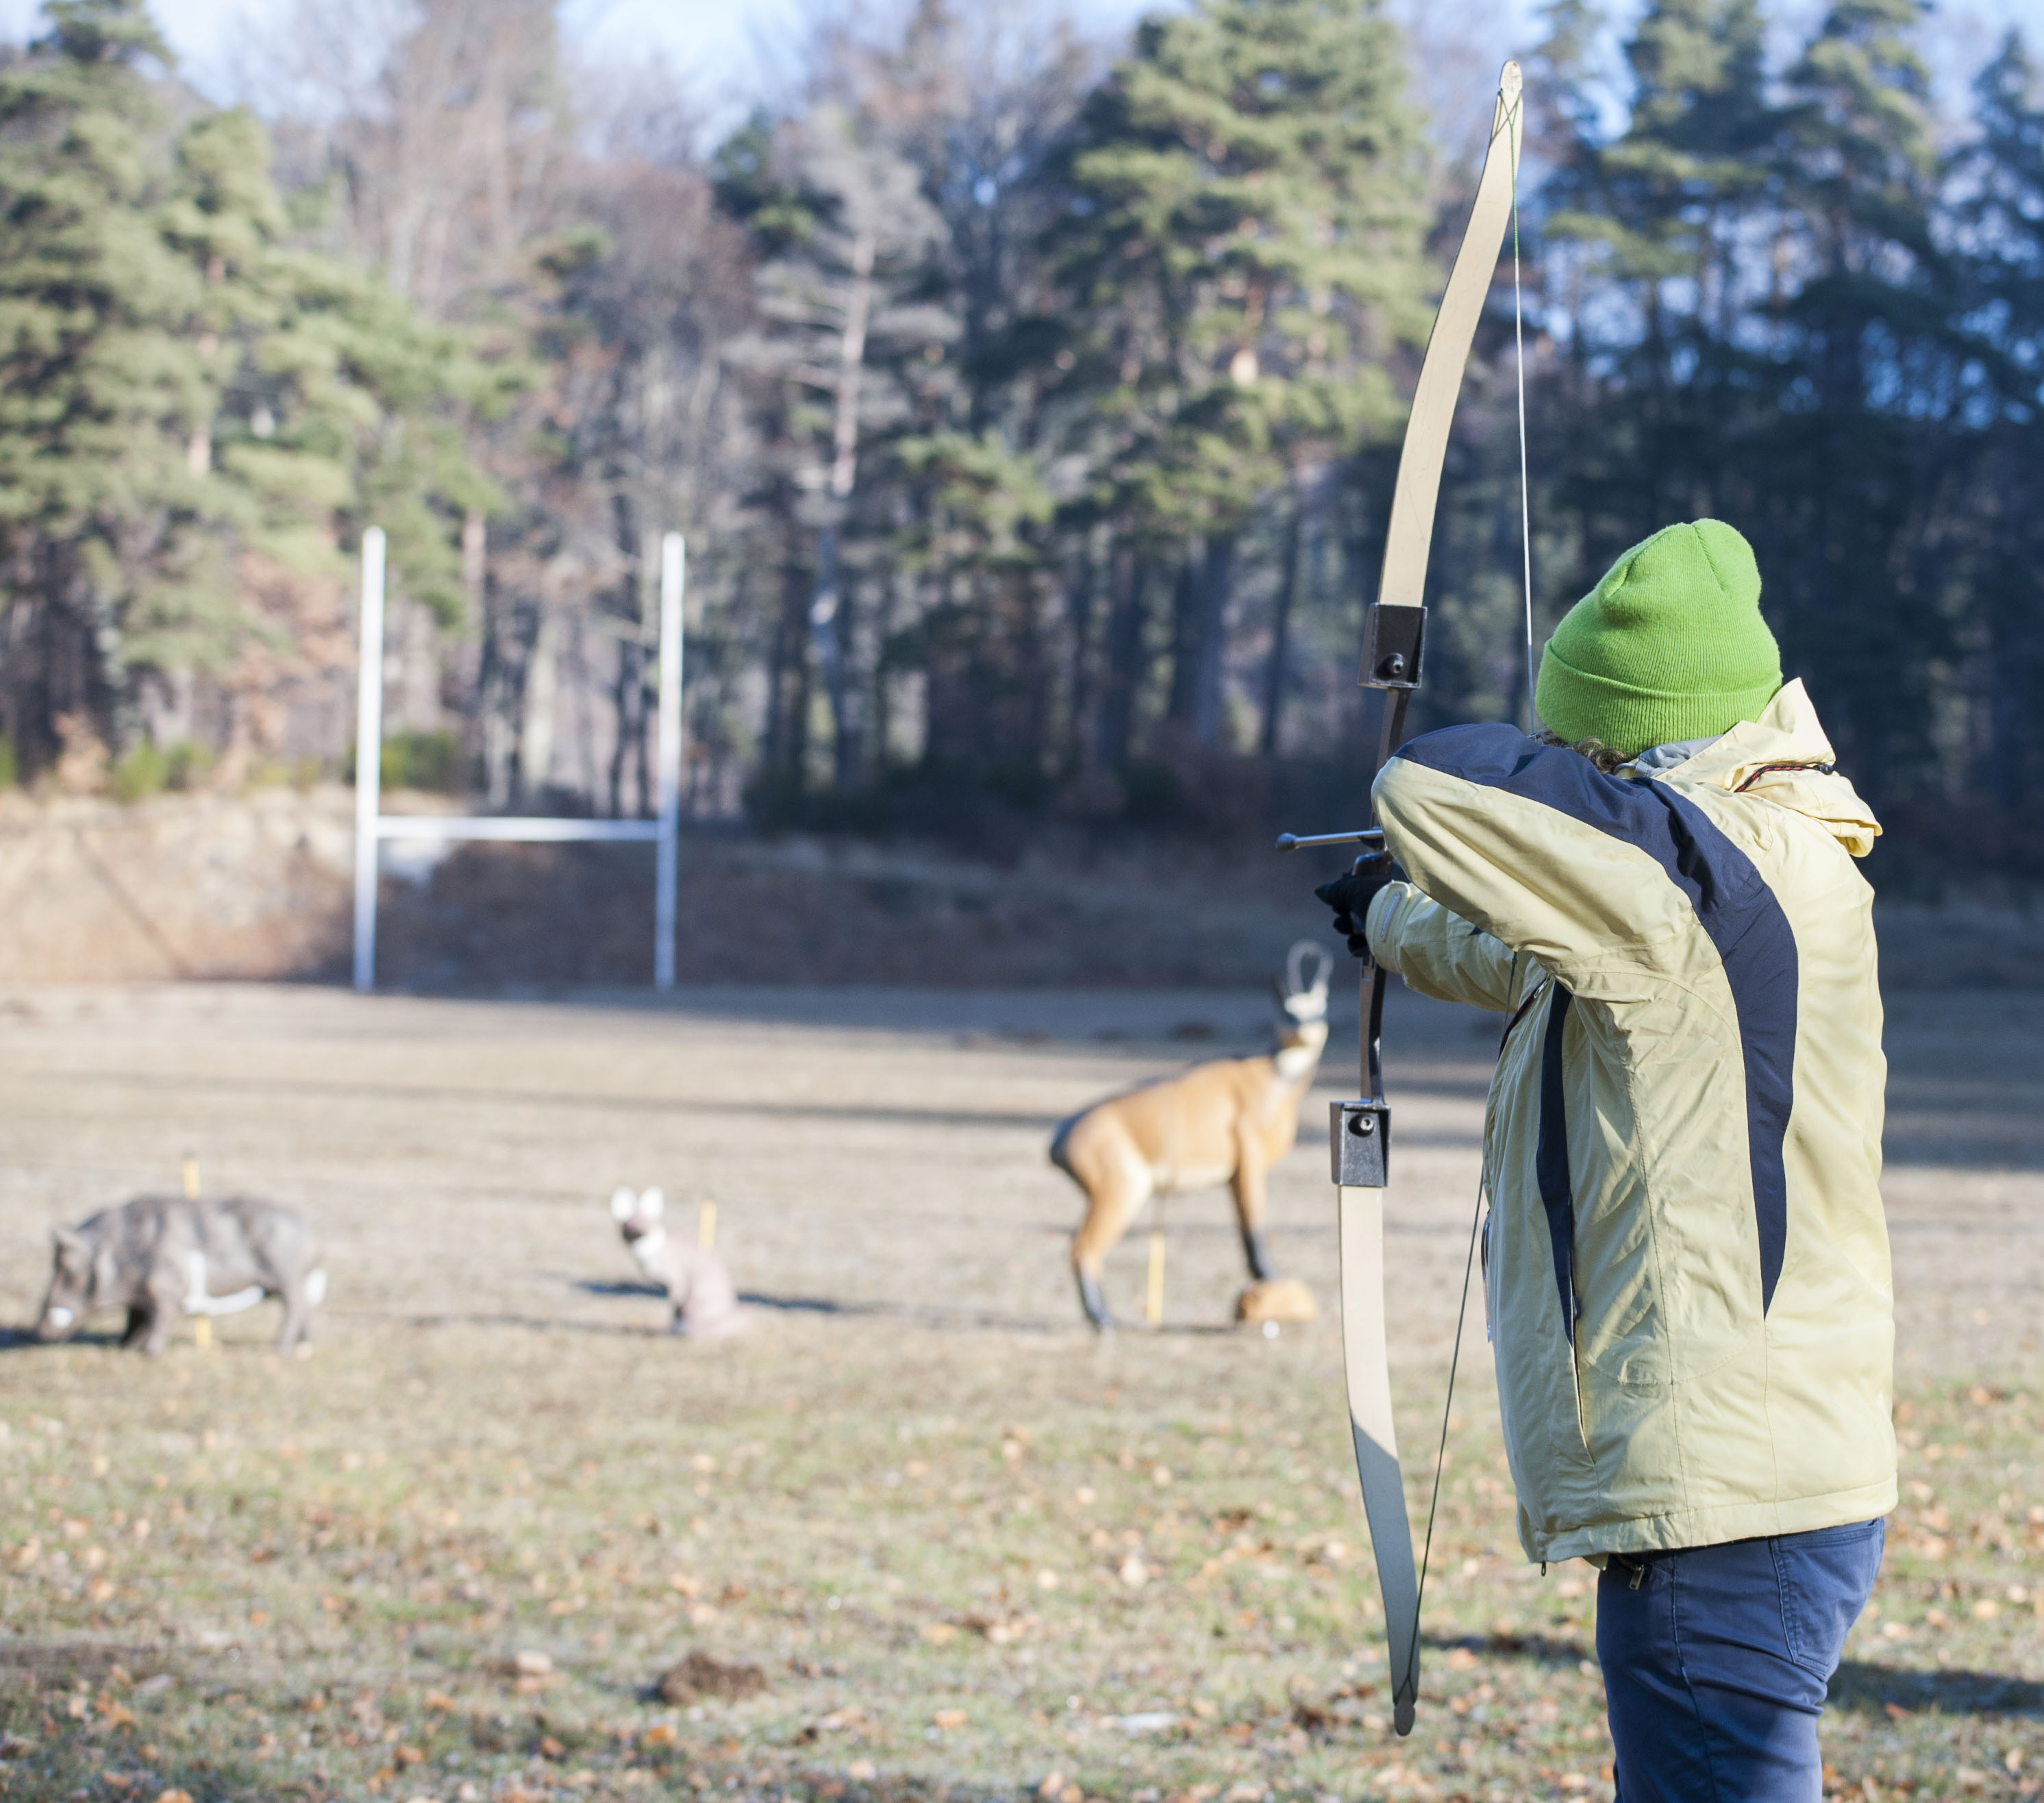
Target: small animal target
(695,1279)
(647,1206)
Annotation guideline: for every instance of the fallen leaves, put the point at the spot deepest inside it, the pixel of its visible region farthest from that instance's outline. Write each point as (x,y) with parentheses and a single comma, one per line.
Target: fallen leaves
(530,1671)
(1003,1631)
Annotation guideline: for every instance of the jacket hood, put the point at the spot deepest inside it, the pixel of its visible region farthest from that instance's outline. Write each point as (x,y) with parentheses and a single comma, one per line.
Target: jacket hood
(1788,732)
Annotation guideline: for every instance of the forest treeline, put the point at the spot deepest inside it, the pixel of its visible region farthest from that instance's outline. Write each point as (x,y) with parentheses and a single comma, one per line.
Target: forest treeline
(1031,406)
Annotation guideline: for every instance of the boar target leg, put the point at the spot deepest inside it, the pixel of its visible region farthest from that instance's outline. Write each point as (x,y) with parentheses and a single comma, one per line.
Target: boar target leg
(162,1301)
(298,1328)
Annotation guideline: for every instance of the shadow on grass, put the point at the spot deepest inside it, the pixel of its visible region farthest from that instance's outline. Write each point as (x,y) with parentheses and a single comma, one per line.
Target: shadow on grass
(1859,1685)
(61,1662)
(1536,1649)
(827,1114)
(956,1319)
(24,1339)
(971,1320)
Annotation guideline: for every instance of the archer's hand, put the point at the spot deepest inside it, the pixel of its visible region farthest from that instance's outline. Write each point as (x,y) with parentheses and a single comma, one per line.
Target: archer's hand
(1351,896)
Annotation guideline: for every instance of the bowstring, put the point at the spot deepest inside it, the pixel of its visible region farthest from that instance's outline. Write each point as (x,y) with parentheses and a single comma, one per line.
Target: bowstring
(1441,1452)
(1513,121)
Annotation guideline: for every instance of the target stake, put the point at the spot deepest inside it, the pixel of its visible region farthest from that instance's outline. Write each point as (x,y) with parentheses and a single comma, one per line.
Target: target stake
(201,1324)
(1152,1304)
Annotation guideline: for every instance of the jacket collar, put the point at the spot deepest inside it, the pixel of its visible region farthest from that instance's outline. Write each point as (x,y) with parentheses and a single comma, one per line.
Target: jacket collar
(1787,734)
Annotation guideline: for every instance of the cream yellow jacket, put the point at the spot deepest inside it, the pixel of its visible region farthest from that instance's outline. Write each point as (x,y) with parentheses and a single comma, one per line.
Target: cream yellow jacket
(1687,1272)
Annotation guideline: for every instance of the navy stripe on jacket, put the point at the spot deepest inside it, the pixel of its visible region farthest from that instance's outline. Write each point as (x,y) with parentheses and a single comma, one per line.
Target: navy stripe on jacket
(1732,903)
(1550,1162)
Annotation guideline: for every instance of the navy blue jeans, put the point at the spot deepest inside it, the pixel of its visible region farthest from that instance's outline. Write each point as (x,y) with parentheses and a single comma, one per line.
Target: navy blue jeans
(1716,1660)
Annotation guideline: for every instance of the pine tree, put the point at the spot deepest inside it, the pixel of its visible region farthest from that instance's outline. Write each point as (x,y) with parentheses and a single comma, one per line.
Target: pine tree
(1848,479)
(177,385)
(1243,252)
(1665,213)
(104,394)
(1999,183)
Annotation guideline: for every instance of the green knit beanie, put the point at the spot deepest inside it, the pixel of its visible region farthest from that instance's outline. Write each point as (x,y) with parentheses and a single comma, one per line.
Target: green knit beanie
(1670,646)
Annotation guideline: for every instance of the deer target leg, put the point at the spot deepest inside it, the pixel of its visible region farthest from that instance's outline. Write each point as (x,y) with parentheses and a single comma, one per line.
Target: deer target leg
(1113,1201)
(1251,1203)
(1093,1301)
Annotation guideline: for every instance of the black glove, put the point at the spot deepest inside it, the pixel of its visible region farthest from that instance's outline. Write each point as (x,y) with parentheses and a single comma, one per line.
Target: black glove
(1351,896)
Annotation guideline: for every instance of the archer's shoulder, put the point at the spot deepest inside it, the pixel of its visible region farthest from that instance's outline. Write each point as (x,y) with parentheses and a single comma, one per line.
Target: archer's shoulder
(1490,752)
(1466,768)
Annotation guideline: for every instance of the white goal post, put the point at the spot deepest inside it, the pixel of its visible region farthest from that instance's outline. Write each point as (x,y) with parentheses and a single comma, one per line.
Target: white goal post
(372,826)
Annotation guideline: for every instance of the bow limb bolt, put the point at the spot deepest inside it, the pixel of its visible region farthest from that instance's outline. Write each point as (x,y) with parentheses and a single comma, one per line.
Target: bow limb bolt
(1359,1132)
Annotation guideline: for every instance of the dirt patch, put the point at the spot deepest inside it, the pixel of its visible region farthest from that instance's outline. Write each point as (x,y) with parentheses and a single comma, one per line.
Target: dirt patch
(184,885)
(700,1679)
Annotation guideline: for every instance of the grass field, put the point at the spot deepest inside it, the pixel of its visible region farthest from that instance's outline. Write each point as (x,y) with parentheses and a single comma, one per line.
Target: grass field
(927,1537)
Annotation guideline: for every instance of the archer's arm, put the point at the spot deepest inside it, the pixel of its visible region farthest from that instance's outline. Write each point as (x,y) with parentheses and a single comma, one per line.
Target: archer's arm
(1535,845)
(1439,953)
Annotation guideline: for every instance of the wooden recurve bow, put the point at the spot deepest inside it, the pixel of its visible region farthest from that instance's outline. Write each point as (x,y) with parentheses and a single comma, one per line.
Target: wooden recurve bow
(1360,1131)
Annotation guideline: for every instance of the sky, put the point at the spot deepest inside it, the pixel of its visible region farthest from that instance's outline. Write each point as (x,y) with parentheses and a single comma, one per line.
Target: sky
(727,47)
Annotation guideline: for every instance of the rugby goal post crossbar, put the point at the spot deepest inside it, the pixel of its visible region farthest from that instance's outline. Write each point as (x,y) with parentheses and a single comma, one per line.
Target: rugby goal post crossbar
(372,826)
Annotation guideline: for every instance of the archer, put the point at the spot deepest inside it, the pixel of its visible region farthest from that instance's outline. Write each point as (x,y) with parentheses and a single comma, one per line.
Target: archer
(1686,1264)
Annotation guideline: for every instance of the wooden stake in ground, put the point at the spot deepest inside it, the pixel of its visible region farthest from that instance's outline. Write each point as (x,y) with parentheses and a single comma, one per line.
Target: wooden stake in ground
(201,1324)
(706,1227)
(1153,1303)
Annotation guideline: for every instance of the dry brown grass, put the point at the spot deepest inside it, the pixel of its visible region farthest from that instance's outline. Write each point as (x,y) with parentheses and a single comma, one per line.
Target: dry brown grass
(971,1550)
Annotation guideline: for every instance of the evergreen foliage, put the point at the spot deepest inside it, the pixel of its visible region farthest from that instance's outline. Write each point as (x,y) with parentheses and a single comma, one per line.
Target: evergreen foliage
(1242,249)
(179,386)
